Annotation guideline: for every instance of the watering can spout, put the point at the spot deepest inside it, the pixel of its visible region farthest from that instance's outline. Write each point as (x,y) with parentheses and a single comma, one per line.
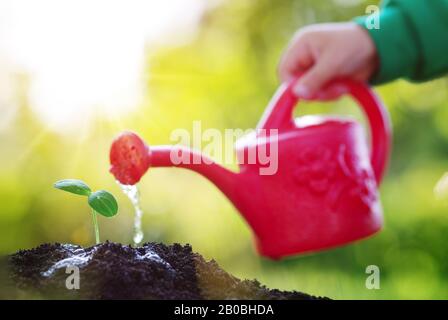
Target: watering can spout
(130,158)
(183,157)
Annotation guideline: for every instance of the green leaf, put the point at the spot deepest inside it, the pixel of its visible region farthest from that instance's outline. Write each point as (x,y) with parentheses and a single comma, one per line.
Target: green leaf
(104,203)
(73,186)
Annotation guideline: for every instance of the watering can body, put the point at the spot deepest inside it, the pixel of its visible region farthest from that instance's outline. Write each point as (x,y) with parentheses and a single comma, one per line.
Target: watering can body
(324,191)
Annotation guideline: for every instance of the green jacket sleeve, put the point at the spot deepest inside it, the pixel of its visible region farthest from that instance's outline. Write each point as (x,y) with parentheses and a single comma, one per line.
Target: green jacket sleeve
(412,39)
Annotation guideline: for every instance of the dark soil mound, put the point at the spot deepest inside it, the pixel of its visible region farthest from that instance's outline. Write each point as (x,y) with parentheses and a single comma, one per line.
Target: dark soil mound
(114,271)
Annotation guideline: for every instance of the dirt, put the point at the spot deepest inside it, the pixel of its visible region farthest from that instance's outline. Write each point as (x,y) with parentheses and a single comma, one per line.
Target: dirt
(113,271)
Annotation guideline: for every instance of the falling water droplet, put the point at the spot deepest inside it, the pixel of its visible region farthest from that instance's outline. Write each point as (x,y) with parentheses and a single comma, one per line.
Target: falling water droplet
(131,191)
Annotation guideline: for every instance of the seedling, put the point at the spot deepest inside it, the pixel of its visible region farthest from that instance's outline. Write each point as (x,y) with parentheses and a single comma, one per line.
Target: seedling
(101,201)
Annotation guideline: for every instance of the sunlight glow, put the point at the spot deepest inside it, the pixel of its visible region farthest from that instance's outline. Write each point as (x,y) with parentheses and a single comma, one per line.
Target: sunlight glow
(85,58)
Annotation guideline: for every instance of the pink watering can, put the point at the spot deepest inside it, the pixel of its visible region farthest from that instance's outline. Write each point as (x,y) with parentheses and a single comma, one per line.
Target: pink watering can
(324,192)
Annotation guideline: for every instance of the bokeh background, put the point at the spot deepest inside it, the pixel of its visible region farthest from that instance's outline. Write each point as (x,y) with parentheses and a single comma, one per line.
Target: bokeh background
(75,73)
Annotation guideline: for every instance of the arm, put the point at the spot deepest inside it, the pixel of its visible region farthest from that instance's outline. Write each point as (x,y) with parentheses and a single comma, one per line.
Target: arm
(412,40)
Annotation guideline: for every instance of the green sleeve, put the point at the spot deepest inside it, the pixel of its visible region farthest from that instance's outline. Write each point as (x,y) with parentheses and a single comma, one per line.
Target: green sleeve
(412,39)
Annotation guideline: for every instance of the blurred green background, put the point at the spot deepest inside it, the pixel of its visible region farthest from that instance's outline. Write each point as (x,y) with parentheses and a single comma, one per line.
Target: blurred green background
(224,75)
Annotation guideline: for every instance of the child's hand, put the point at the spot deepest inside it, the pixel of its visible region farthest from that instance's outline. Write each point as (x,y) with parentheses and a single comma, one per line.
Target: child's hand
(326,51)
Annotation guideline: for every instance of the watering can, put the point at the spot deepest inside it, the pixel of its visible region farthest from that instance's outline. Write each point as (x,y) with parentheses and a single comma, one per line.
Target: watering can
(324,192)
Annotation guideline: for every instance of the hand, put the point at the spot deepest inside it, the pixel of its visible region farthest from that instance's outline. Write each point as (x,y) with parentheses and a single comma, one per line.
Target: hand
(323,52)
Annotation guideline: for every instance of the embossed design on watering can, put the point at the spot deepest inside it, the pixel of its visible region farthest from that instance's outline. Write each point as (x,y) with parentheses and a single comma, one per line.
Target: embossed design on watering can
(320,170)
(325,191)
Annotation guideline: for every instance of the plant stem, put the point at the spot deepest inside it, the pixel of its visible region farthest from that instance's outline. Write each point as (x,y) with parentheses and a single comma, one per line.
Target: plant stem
(95,226)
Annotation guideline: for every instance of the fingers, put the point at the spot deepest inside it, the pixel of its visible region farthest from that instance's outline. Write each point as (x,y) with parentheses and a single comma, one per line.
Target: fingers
(320,53)
(302,56)
(316,77)
(297,58)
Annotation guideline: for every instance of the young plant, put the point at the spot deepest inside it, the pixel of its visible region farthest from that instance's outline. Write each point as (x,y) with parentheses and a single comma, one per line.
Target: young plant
(101,201)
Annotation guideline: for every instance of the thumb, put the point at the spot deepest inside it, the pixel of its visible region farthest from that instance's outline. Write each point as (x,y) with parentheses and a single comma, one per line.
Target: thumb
(315,78)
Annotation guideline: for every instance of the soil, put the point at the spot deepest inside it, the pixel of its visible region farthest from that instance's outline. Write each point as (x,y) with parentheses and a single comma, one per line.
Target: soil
(113,271)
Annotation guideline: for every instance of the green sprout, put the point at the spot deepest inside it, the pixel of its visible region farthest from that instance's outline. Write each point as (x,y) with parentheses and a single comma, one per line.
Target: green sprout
(101,201)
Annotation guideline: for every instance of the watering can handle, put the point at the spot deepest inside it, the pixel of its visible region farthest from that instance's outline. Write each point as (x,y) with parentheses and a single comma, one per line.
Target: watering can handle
(279,115)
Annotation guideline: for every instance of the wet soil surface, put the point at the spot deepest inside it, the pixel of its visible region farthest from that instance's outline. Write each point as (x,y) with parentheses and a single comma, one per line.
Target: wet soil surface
(113,271)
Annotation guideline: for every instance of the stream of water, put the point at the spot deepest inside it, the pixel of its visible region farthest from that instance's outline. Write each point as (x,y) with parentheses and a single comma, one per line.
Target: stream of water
(134,196)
